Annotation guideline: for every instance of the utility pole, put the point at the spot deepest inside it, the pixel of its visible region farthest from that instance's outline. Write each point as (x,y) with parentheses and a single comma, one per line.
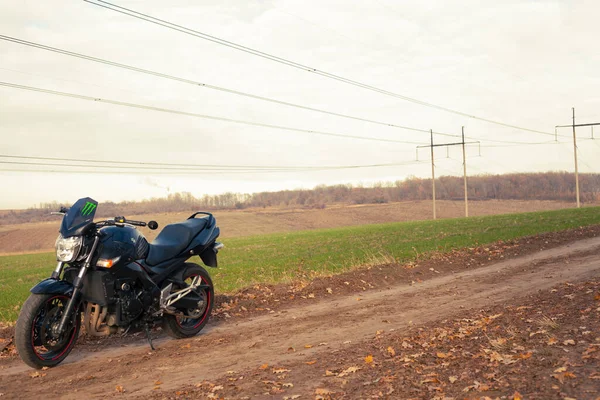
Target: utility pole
(573,125)
(432,174)
(576,168)
(465,172)
(447,145)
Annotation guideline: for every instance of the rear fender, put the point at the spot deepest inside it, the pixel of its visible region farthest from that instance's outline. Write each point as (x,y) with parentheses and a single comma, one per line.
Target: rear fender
(53,286)
(209,257)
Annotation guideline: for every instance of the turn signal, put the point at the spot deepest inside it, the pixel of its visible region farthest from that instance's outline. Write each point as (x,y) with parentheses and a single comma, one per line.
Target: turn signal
(104,263)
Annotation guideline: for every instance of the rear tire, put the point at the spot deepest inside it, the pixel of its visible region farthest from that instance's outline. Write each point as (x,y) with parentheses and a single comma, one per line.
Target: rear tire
(185,327)
(38,347)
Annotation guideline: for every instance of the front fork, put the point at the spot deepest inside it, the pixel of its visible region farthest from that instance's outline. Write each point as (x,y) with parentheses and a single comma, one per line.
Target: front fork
(57,271)
(77,285)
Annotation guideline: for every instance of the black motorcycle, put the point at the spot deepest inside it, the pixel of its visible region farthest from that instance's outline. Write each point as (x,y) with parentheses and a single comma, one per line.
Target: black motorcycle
(110,279)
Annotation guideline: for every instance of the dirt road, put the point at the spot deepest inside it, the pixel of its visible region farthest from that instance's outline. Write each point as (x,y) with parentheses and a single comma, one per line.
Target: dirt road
(327,325)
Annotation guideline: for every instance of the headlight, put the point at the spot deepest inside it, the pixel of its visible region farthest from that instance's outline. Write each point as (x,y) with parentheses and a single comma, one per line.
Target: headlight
(67,248)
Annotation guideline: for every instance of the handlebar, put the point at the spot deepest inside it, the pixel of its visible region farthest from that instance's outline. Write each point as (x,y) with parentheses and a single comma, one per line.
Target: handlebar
(116,221)
(121,221)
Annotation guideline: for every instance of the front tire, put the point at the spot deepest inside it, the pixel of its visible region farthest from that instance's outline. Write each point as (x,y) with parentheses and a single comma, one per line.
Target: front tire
(184,327)
(36,343)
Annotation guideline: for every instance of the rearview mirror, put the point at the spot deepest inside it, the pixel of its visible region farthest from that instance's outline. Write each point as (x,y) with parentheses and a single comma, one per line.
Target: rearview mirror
(153,225)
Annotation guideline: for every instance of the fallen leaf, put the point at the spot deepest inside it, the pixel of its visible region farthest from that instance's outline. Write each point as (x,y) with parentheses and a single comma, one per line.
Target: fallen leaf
(322,391)
(311,296)
(307,346)
(369,359)
(280,370)
(119,389)
(288,385)
(452,379)
(562,376)
(498,342)
(517,396)
(158,383)
(217,388)
(264,366)
(569,342)
(525,356)
(37,374)
(347,371)
(477,386)
(186,346)
(329,290)
(329,373)
(442,355)
(311,362)
(551,341)
(391,350)
(495,356)
(561,369)
(483,388)
(291,349)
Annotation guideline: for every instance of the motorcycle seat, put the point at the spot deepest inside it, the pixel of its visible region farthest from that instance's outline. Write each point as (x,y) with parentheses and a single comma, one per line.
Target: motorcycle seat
(173,239)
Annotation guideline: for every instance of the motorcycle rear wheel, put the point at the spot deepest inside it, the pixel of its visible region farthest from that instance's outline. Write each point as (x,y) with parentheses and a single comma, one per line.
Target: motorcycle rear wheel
(35,341)
(184,327)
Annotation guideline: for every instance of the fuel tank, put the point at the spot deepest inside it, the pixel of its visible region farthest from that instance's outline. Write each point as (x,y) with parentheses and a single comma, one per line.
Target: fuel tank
(124,241)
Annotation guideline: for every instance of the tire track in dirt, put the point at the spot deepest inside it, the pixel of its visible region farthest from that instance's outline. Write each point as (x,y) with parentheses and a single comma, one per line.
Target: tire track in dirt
(254,341)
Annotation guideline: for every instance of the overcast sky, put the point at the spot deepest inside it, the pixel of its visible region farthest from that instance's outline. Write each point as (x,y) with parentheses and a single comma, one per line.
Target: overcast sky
(524,63)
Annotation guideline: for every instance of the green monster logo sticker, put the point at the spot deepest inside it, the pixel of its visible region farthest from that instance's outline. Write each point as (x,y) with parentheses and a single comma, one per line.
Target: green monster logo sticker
(88,208)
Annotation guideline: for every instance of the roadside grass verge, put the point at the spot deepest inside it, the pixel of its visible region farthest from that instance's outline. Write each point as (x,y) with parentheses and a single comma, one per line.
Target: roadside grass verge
(277,258)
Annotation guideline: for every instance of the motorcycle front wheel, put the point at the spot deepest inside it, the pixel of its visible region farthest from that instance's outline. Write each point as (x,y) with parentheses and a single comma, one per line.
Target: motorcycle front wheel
(35,337)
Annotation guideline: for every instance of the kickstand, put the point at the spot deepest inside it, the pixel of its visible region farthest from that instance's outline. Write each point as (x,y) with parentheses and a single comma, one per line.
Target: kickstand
(149,338)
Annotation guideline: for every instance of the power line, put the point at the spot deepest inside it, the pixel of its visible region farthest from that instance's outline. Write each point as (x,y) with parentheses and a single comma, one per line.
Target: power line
(142,167)
(189,114)
(208,86)
(179,172)
(585,163)
(203,168)
(158,164)
(516,144)
(176,27)
(218,88)
(65,80)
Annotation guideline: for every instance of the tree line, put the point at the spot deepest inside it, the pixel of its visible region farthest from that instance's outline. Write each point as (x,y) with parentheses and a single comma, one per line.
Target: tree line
(516,186)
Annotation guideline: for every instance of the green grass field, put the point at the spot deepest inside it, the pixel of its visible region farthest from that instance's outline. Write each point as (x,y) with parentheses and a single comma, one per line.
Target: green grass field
(284,257)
